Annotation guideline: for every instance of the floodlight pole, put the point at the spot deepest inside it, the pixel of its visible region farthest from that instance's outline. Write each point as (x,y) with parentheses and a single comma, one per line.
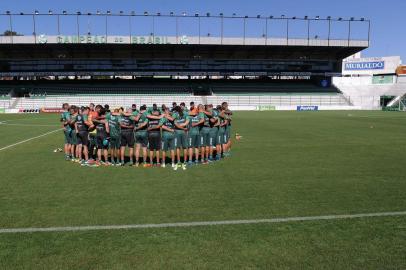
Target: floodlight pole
(59,29)
(329,32)
(35,29)
(177,29)
(245,22)
(349,32)
(308,32)
(266,31)
(287,31)
(106,16)
(77,25)
(153,28)
(129,27)
(199,29)
(369,31)
(222,29)
(11,28)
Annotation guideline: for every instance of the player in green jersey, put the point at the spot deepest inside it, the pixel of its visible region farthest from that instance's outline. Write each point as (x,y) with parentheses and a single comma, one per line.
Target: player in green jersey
(141,136)
(205,134)
(74,111)
(113,120)
(168,136)
(214,127)
(82,132)
(154,136)
(127,136)
(65,116)
(181,130)
(196,120)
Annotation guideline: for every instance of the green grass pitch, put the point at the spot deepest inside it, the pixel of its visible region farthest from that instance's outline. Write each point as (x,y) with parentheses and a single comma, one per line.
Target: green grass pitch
(288,164)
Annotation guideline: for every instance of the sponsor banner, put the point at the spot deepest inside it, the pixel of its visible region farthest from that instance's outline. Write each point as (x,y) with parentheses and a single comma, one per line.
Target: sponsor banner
(307,108)
(401,71)
(52,110)
(2,110)
(265,108)
(382,79)
(371,66)
(364,65)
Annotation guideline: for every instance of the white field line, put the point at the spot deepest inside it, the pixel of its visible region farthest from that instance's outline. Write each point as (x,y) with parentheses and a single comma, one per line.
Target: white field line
(196,224)
(23,119)
(30,139)
(27,125)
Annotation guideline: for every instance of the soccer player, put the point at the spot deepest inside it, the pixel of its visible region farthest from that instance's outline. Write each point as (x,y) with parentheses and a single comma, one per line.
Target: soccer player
(82,132)
(196,119)
(181,129)
(102,128)
(127,136)
(205,134)
(141,136)
(65,117)
(222,137)
(214,128)
(168,137)
(228,114)
(74,111)
(92,130)
(154,135)
(114,128)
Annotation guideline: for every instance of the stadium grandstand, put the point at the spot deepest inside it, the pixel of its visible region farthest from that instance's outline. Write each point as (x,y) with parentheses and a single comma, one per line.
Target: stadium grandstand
(251,73)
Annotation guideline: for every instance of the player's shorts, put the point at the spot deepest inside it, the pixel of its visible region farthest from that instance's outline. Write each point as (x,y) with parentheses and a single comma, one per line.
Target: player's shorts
(99,142)
(141,138)
(194,140)
(73,139)
(83,138)
(213,136)
(168,141)
(205,136)
(228,133)
(127,138)
(66,134)
(115,142)
(221,136)
(154,140)
(181,139)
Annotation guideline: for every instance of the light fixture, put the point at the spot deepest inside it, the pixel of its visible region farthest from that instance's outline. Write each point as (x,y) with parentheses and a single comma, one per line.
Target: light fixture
(234,14)
(246,16)
(159,14)
(208,14)
(306,17)
(145,13)
(362,19)
(79,13)
(36,12)
(221,14)
(21,13)
(183,13)
(258,16)
(294,18)
(340,19)
(171,13)
(64,12)
(271,17)
(329,18)
(352,18)
(108,12)
(50,12)
(8,12)
(317,17)
(89,13)
(132,13)
(282,16)
(121,12)
(98,12)
(196,14)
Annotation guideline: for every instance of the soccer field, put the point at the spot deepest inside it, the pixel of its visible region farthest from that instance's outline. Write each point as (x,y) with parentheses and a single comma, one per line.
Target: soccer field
(287,165)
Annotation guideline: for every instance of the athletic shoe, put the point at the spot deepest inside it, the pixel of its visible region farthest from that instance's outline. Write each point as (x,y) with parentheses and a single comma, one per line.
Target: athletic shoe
(147,165)
(205,162)
(107,163)
(174,165)
(163,165)
(175,168)
(158,165)
(184,166)
(137,164)
(129,163)
(67,158)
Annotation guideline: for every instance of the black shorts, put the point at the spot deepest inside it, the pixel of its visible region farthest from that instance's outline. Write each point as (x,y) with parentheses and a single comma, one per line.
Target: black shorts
(154,140)
(127,138)
(83,137)
(100,144)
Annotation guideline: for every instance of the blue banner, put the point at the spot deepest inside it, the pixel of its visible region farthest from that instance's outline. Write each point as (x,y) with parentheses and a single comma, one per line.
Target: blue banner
(307,108)
(364,65)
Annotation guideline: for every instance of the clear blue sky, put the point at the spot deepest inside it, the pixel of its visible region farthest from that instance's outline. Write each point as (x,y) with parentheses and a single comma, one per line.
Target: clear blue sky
(388,35)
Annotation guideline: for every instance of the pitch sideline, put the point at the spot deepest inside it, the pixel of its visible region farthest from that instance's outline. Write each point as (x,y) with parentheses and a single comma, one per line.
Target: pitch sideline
(30,139)
(199,223)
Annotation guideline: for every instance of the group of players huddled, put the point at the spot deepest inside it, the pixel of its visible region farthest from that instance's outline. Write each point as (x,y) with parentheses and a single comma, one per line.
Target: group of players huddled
(96,135)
